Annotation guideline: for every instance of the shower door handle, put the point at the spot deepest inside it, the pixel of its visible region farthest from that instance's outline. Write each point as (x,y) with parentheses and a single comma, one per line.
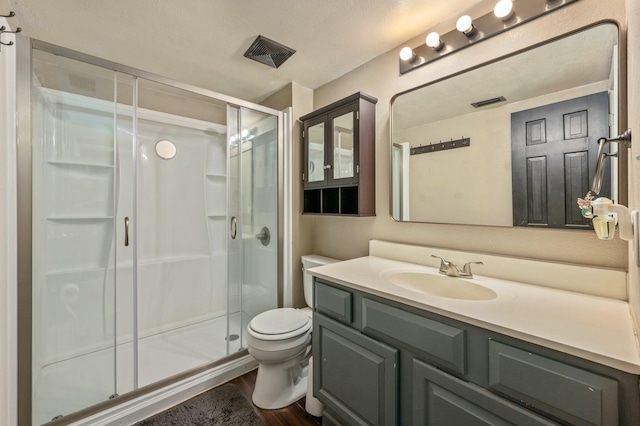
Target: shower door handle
(234,227)
(126,232)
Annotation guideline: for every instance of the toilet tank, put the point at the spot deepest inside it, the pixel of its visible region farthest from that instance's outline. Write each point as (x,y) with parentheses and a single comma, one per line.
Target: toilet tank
(311,261)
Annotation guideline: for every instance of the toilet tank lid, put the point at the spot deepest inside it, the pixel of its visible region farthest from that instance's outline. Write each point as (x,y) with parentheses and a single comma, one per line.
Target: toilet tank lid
(311,260)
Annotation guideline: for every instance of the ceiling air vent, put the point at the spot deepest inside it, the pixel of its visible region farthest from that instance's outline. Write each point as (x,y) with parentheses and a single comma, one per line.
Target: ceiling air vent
(488,102)
(268,52)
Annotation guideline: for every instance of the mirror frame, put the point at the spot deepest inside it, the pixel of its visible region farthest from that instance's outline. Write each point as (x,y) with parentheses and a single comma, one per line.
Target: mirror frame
(623,154)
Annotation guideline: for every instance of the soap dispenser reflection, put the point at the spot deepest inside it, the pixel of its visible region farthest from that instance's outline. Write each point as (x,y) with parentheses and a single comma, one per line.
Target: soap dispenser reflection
(603,212)
(606,215)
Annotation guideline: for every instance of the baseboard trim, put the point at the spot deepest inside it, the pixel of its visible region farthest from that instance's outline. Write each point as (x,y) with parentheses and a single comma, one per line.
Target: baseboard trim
(159,400)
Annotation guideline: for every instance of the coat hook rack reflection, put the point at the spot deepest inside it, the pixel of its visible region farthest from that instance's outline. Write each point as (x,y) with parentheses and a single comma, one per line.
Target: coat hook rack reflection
(441,146)
(3,30)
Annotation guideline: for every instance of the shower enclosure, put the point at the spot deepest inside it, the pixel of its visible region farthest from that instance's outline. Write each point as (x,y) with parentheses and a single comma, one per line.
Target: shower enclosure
(154,227)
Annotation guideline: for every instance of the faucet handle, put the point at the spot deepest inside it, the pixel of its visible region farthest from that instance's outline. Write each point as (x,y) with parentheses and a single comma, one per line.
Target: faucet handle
(466,269)
(444,264)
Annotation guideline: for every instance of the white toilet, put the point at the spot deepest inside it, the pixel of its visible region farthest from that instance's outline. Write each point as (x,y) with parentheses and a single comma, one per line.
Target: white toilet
(280,340)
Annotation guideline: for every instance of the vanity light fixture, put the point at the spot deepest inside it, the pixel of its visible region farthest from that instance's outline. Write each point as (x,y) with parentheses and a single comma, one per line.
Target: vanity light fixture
(504,10)
(465,26)
(470,30)
(406,54)
(434,41)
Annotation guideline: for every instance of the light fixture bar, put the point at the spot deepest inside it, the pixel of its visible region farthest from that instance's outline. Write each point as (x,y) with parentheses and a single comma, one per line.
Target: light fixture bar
(485,27)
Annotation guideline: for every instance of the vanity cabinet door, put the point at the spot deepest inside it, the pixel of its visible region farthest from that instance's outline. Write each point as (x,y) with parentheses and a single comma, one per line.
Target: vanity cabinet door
(354,376)
(440,399)
(574,395)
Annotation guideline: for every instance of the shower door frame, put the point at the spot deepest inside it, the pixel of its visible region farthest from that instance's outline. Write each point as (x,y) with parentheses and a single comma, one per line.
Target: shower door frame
(24,46)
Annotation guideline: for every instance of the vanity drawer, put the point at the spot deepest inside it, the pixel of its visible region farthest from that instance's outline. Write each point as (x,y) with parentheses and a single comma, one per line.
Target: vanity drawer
(435,341)
(568,393)
(333,302)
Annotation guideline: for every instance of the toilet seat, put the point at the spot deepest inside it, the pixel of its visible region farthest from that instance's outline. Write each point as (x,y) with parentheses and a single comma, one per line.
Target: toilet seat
(279,324)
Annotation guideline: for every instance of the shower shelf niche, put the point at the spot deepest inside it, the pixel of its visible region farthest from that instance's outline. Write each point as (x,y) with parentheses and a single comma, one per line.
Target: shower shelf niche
(78,164)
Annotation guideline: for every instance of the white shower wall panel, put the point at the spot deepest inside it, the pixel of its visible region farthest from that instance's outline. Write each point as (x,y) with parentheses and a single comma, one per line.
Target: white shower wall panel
(175,293)
(182,269)
(89,183)
(182,263)
(171,194)
(73,316)
(72,217)
(77,244)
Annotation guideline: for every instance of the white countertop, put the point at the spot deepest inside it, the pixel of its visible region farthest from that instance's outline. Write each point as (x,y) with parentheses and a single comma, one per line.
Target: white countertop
(590,327)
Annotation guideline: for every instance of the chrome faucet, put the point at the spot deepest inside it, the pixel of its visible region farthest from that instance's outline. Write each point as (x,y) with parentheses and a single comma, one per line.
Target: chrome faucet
(450,269)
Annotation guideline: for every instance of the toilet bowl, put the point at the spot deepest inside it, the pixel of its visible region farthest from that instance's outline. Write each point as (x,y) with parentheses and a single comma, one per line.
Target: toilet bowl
(280,340)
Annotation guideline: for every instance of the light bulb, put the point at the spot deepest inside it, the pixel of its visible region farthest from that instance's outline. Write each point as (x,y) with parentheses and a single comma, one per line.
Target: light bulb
(503,9)
(244,133)
(465,26)
(433,41)
(407,54)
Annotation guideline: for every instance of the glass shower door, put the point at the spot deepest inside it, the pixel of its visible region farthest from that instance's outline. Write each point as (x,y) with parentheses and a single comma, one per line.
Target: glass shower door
(73,173)
(253,218)
(179,230)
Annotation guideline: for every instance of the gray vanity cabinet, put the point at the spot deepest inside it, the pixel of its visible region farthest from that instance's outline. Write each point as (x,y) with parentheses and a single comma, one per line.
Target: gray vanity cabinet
(380,362)
(358,377)
(441,399)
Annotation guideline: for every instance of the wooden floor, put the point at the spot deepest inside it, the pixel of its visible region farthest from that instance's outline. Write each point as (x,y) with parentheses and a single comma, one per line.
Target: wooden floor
(294,414)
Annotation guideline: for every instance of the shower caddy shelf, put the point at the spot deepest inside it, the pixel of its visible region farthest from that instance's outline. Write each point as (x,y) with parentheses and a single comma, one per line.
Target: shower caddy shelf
(64,163)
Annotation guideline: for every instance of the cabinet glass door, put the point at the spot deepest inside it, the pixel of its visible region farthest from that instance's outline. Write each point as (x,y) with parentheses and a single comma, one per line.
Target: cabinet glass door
(315,153)
(343,147)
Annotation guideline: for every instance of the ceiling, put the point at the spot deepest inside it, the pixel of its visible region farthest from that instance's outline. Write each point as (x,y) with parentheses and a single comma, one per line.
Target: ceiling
(201,42)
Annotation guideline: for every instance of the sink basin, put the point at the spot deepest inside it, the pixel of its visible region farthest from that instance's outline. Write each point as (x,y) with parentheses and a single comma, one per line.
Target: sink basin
(441,285)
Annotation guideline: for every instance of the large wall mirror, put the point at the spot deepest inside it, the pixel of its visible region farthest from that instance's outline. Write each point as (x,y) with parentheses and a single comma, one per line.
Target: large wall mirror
(512,142)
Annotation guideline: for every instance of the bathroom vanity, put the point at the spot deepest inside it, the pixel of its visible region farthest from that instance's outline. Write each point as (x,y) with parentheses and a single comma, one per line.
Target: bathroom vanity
(387,355)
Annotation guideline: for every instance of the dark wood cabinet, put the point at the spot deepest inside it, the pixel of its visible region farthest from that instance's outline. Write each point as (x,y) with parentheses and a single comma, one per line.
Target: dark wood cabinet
(339,158)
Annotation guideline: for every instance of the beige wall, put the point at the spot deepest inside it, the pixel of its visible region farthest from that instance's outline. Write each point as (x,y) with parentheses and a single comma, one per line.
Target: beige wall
(300,99)
(347,237)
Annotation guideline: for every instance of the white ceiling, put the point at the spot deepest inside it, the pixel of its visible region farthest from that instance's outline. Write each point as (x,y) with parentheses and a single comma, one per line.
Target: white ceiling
(202,42)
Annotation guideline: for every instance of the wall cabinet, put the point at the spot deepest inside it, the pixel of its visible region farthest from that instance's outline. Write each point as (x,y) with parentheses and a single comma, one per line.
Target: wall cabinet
(339,157)
(380,362)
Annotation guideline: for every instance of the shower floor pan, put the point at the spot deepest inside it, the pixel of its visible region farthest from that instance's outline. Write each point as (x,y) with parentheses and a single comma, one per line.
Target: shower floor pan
(76,383)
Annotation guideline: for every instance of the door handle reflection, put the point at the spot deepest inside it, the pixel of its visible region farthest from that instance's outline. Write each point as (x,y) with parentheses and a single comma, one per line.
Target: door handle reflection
(126,231)
(234,227)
